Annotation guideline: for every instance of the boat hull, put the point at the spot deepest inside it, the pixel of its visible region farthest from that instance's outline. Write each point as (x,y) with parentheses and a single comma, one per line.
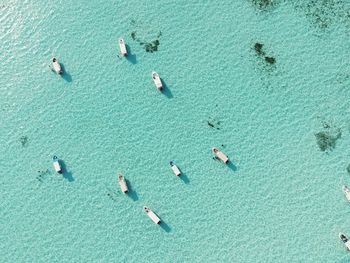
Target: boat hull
(57,165)
(56,66)
(152,215)
(345,240)
(220,155)
(176,170)
(122,47)
(157,81)
(122,183)
(346,192)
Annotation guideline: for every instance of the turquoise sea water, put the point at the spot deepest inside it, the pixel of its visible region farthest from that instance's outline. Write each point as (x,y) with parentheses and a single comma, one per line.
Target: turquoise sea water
(279,201)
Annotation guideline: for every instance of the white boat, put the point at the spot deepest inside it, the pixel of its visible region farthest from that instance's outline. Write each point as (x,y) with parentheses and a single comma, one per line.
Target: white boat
(346,192)
(122,47)
(56,66)
(345,240)
(219,154)
(152,215)
(157,81)
(175,169)
(57,165)
(122,183)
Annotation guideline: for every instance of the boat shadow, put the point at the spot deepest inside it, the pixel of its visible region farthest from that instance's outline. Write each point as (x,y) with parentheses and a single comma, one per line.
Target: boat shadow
(165,226)
(65,75)
(166,91)
(184,178)
(232,166)
(68,175)
(229,164)
(131,192)
(130,57)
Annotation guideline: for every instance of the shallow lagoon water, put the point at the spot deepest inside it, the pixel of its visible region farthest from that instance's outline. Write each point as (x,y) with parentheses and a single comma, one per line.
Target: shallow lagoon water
(279,201)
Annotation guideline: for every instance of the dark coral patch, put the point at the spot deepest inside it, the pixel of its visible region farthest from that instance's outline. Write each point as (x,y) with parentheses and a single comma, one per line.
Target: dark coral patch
(262,4)
(326,140)
(213,123)
(210,124)
(270,60)
(325,13)
(149,46)
(258,49)
(133,35)
(23,140)
(152,46)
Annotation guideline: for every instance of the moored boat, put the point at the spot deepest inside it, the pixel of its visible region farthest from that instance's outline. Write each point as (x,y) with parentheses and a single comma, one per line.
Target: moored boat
(152,215)
(346,192)
(345,240)
(57,165)
(56,66)
(122,183)
(175,169)
(220,155)
(122,47)
(157,81)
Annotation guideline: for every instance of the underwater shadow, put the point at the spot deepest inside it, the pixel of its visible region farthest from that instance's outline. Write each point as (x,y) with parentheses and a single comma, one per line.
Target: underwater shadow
(66,174)
(184,178)
(165,226)
(131,193)
(130,57)
(166,91)
(231,166)
(65,75)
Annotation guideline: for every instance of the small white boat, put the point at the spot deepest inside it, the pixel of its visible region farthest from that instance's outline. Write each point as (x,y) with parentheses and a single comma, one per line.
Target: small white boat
(346,192)
(122,47)
(152,215)
(122,183)
(175,169)
(56,66)
(345,240)
(157,81)
(57,165)
(219,154)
